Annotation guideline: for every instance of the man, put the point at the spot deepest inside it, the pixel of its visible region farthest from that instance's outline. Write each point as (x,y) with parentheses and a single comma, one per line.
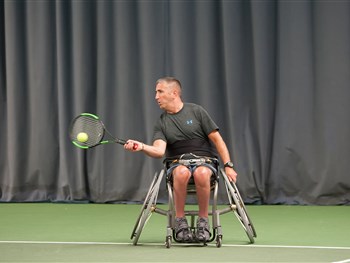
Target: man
(186,129)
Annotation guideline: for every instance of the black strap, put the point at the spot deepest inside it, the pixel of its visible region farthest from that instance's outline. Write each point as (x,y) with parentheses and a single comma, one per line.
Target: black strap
(198,147)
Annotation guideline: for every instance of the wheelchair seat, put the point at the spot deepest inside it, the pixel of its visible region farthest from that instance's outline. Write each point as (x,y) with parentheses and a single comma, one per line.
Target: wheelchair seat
(235,203)
(171,162)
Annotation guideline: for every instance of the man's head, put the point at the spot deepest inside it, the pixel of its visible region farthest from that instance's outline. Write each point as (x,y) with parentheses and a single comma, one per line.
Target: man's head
(168,93)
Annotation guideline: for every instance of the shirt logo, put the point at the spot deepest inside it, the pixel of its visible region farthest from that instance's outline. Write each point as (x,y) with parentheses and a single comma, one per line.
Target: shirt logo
(189,122)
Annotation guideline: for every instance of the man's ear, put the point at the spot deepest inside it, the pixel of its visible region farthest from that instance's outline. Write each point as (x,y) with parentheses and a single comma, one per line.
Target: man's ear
(176,91)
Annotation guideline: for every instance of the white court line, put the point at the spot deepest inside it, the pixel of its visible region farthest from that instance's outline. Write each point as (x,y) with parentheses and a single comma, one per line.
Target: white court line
(160,244)
(343,261)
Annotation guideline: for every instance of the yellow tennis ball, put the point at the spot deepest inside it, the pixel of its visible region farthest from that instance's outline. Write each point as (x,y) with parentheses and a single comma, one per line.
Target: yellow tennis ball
(82,137)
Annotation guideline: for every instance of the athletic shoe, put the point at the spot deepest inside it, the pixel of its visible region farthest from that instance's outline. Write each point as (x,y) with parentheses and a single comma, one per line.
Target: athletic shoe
(203,229)
(182,231)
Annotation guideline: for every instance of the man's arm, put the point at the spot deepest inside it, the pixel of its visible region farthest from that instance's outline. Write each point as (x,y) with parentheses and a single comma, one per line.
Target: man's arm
(157,150)
(221,147)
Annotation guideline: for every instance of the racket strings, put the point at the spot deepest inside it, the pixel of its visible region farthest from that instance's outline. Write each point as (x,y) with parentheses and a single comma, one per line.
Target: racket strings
(91,126)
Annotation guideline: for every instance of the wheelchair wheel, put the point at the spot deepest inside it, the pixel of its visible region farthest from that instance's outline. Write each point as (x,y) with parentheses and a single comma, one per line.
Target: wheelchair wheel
(251,226)
(147,208)
(239,208)
(145,202)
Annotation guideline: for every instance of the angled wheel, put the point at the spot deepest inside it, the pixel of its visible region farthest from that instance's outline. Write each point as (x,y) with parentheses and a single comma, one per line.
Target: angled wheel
(147,208)
(239,208)
(144,205)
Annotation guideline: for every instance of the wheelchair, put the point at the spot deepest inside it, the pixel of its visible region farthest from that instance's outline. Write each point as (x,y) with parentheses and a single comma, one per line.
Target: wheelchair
(235,204)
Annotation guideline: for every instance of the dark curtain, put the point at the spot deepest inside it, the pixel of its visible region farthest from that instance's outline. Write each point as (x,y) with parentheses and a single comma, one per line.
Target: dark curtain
(274,75)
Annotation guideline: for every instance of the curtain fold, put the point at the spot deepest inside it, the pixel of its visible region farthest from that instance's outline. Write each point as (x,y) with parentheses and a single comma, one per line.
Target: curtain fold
(274,75)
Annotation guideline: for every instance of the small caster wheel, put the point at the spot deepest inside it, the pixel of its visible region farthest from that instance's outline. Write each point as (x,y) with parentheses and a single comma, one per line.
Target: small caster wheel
(219,241)
(168,242)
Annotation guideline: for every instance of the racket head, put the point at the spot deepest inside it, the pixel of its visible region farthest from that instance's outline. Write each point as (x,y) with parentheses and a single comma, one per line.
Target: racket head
(89,124)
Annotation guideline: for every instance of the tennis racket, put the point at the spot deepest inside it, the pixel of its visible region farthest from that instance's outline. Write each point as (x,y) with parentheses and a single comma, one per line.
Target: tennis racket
(87,131)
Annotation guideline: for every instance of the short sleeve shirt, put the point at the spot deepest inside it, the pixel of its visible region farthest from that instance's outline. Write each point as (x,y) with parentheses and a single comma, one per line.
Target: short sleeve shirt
(191,122)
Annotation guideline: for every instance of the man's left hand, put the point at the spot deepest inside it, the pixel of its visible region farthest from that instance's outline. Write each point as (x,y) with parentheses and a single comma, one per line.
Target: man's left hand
(231,174)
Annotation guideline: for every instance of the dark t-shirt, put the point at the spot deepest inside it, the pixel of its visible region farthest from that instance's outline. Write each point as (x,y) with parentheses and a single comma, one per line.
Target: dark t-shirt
(190,127)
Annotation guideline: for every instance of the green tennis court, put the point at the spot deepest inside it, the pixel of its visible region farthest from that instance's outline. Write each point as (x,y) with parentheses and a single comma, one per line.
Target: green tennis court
(48,232)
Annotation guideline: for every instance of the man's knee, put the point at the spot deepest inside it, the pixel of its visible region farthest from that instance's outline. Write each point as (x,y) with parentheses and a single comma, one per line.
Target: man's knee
(202,176)
(181,174)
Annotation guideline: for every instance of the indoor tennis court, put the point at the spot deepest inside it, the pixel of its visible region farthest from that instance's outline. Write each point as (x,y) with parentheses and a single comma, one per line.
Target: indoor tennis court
(46,232)
(86,87)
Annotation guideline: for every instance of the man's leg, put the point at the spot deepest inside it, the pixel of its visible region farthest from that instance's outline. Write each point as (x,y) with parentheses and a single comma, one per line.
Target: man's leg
(202,179)
(202,176)
(181,176)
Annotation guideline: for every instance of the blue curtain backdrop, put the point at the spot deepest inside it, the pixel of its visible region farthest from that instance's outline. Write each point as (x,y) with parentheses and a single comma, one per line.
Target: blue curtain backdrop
(274,75)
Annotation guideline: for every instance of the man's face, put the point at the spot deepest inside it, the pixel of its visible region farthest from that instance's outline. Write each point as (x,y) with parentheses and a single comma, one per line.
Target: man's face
(164,95)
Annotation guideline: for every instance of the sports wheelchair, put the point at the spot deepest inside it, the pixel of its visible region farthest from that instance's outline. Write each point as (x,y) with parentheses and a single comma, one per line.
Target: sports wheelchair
(235,204)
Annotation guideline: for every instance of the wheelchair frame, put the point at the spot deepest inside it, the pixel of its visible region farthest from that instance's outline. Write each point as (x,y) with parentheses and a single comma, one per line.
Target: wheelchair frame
(235,205)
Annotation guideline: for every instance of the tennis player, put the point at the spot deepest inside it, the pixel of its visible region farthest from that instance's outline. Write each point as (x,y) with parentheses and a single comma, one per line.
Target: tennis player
(187,131)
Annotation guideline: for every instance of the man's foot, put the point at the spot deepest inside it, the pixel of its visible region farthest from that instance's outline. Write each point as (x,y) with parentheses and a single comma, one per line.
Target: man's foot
(182,231)
(203,229)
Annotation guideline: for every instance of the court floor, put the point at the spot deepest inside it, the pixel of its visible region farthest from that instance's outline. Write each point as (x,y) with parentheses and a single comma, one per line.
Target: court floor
(48,232)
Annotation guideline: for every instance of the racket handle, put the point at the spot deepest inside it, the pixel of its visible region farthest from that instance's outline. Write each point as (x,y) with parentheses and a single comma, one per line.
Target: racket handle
(134,147)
